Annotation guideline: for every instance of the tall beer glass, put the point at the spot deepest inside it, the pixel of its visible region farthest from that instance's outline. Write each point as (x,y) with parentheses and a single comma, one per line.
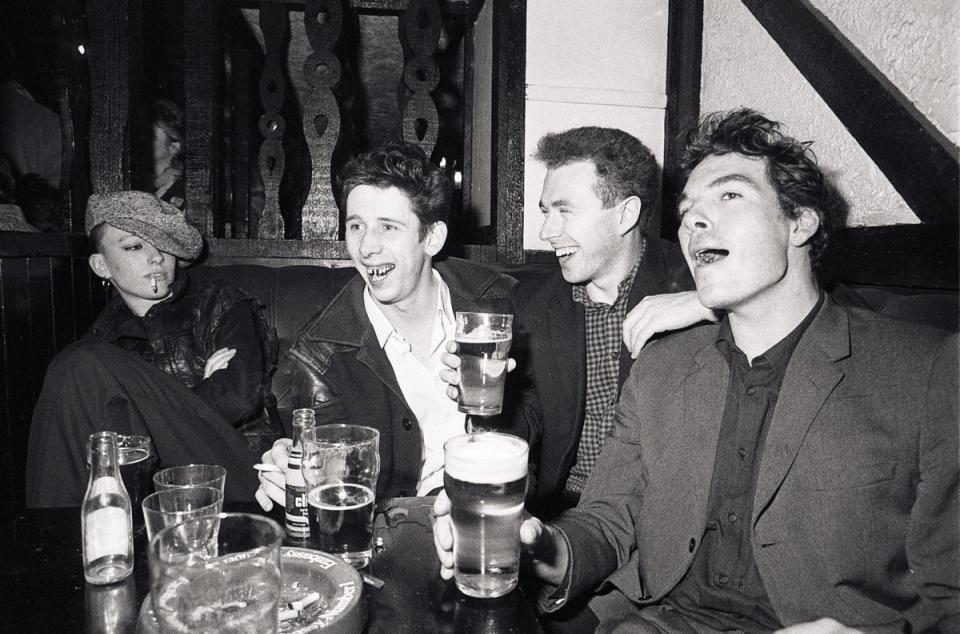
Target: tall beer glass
(340,466)
(485,477)
(483,341)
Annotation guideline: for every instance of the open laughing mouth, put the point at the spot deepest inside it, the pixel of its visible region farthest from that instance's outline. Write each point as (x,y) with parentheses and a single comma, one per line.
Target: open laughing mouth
(565,252)
(379,273)
(709,256)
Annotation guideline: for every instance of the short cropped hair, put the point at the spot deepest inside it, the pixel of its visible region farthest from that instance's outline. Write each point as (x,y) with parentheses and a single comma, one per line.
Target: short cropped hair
(791,167)
(625,166)
(405,166)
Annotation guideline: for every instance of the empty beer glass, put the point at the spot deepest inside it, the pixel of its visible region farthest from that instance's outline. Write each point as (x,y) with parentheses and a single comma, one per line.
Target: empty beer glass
(190,475)
(340,466)
(485,477)
(218,573)
(483,340)
(172,506)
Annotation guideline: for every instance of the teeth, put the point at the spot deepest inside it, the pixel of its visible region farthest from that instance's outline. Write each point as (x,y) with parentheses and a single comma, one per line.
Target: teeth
(709,256)
(379,271)
(565,251)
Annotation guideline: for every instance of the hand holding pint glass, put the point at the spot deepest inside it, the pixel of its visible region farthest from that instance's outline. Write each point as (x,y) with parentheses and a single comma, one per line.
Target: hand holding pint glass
(340,465)
(485,477)
(483,341)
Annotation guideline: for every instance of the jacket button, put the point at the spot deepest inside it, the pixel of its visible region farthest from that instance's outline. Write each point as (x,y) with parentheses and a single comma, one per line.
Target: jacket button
(406,425)
(693,544)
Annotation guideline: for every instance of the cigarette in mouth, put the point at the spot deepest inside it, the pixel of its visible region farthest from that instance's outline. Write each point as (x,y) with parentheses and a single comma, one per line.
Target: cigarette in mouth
(153,284)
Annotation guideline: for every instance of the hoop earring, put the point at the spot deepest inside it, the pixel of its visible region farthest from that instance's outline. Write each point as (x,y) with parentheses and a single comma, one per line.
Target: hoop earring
(105,283)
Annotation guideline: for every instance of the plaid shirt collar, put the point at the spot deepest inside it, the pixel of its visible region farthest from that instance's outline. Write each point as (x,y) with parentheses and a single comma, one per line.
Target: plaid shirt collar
(579,291)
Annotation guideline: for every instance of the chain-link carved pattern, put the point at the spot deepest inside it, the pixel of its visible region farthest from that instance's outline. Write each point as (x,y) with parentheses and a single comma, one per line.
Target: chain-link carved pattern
(274,24)
(323,20)
(419,34)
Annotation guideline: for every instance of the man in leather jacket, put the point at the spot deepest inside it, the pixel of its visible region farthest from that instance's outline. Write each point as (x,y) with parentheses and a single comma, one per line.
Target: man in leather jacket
(185,364)
(371,355)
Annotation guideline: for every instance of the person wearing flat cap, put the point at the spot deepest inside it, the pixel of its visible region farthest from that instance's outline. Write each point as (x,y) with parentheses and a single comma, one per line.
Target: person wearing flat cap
(186,364)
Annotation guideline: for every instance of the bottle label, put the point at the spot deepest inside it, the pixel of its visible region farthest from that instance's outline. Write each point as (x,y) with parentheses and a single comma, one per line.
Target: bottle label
(105,533)
(297,522)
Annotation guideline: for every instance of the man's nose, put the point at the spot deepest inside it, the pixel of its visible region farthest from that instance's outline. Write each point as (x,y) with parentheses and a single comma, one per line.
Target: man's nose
(369,243)
(552,226)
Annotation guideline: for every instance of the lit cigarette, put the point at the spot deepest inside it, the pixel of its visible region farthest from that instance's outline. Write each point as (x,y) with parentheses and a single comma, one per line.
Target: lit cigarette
(286,615)
(313,597)
(153,284)
(267,467)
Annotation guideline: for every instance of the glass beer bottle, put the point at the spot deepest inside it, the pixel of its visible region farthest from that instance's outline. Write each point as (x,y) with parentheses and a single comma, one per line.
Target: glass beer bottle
(296,519)
(106,516)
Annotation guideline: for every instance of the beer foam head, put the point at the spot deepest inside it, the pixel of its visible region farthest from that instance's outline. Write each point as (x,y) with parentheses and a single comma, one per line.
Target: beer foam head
(486,458)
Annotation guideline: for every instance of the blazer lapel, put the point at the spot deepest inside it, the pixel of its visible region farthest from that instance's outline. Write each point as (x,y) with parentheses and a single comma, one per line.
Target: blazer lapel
(703,395)
(565,322)
(811,376)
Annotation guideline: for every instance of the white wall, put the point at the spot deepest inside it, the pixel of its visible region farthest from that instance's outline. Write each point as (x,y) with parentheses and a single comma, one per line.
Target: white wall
(591,63)
(913,44)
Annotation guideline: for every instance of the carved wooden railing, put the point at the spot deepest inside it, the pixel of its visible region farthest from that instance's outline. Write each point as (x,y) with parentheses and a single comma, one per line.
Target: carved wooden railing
(218,199)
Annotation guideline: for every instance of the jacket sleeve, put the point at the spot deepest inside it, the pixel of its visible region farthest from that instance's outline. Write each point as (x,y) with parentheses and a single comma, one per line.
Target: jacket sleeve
(237,391)
(301,382)
(601,530)
(933,536)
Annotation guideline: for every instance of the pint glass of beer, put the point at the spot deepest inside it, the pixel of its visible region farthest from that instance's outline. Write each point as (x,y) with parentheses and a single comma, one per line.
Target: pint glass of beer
(483,341)
(485,477)
(340,467)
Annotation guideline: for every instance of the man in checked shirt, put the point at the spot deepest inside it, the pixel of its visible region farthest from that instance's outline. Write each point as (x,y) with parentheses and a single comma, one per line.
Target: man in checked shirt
(578,328)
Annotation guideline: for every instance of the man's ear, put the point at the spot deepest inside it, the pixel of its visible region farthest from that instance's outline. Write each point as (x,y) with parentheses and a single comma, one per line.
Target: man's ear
(631,212)
(99,265)
(436,238)
(805,226)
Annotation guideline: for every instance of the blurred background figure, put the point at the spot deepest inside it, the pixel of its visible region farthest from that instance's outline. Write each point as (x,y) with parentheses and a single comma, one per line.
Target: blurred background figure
(40,203)
(11,216)
(168,183)
(29,131)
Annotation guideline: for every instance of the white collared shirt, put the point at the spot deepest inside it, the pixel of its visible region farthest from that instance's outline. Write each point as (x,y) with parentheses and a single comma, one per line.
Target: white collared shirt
(424,391)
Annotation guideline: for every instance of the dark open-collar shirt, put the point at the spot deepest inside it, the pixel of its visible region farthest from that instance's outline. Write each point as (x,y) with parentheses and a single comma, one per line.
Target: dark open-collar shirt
(723,588)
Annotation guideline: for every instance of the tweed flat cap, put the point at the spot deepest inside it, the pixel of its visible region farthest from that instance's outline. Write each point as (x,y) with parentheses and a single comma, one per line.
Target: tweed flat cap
(146,216)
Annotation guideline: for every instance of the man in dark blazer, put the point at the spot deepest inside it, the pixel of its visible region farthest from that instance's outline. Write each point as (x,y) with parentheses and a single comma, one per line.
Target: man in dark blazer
(794,466)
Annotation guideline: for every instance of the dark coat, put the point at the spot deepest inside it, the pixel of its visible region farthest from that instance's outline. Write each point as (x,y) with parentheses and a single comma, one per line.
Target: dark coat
(337,367)
(552,347)
(856,508)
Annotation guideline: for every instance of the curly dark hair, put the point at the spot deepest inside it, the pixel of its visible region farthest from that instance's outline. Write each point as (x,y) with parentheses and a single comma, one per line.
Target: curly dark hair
(405,166)
(625,166)
(791,167)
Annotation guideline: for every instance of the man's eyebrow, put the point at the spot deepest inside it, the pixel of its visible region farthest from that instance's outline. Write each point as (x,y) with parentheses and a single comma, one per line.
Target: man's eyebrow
(723,180)
(562,202)
(732,178)
(378,219)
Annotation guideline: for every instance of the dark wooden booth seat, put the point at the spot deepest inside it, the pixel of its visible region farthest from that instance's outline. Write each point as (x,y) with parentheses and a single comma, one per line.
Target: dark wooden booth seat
(50,300)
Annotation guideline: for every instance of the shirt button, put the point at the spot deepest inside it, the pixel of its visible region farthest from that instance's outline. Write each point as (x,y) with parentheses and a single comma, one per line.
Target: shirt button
(406,425)
(723,580)
(732,517)
(692,545)
(751,391)
(615,355)
(742,452)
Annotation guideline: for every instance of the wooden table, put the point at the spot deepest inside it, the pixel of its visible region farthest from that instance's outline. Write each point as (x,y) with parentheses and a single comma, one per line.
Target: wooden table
(42,588)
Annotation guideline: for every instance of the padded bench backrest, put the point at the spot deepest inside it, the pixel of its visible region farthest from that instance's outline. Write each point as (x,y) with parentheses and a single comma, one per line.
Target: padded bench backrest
(291,294)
